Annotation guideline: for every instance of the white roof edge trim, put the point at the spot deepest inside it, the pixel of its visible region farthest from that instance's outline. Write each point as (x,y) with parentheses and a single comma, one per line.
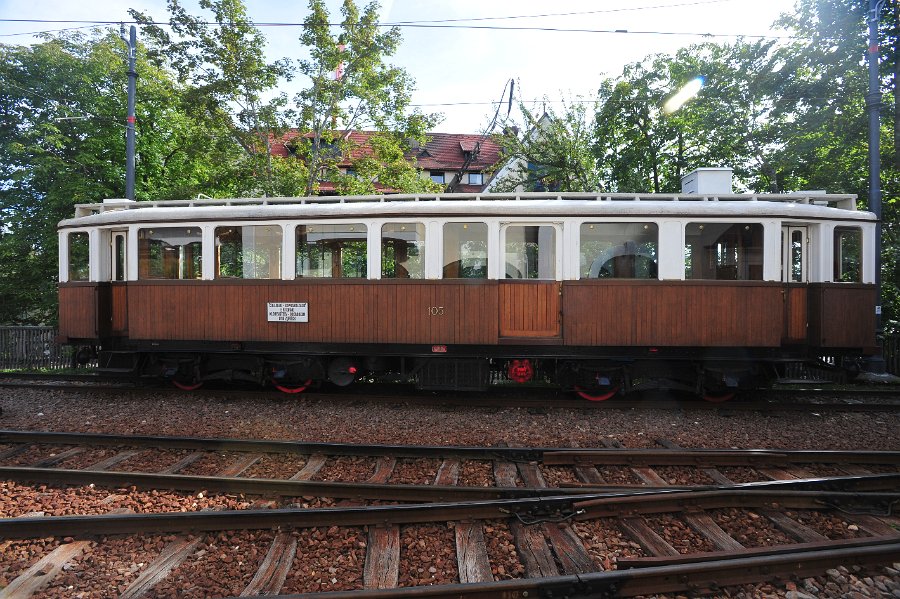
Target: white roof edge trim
(844,201)
(589,208)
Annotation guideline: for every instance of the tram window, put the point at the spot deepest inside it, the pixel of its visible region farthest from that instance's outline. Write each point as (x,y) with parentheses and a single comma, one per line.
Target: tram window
(332,251)
(847,255)
(79,257)
(530,252)
(723,251)
(170,253)
(465,250)
(403,251)
(248,252)
(619,250)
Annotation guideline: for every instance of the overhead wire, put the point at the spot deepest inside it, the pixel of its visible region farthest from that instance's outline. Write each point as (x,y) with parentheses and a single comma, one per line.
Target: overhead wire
(46,31)
(83,113)
(429,25)
(566,14)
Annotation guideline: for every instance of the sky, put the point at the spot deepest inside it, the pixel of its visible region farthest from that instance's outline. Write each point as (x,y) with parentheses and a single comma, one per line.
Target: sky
(462,72)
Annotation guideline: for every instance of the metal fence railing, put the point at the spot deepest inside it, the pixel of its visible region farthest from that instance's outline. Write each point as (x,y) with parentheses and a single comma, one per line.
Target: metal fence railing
(891,352)
(32,348)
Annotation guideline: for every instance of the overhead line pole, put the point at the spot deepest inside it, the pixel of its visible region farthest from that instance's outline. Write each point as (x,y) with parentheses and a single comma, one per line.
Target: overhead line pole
(873,103)
(129,125)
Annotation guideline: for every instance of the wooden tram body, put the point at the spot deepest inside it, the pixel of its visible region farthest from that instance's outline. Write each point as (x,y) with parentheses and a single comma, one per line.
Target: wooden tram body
(596,292)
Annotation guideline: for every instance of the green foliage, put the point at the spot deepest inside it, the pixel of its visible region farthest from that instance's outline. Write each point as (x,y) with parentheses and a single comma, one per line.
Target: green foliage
(641,148)
(220,60)
(62,143)
(551,151)
(351,88)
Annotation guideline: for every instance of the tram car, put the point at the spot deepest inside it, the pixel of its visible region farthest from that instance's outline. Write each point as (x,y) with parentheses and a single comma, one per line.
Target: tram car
(706,290)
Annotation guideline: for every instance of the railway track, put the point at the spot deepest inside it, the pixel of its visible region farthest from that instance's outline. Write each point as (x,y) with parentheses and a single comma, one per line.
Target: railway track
(555,555)
(418,473)
(594,536)
(820,399)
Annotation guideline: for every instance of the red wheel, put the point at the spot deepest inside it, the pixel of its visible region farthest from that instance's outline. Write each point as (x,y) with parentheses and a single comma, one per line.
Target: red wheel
(299,389)
(601,397)
(187,387)
(717,398)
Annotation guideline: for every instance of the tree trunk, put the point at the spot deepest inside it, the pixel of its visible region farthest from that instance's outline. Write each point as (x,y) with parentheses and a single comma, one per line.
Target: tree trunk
(679,159)
(769,171)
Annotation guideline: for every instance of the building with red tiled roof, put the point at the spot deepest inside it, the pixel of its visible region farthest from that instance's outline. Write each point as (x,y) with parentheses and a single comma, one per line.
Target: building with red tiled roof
(457,160)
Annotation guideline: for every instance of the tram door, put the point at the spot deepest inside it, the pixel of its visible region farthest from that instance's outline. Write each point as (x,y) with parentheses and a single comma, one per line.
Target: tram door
(530,294)
(794,270)
(118,256)
(118,264)
(795,243)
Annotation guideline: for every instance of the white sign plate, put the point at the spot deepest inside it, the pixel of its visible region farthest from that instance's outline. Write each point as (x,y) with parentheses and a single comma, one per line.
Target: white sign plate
(287,312)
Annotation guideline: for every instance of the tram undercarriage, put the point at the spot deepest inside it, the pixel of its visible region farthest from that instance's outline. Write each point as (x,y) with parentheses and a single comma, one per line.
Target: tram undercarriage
(597,378)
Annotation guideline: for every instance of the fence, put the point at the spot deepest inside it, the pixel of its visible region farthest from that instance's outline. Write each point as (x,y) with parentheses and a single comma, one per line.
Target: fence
(36,347)
(891,353)
(32,348)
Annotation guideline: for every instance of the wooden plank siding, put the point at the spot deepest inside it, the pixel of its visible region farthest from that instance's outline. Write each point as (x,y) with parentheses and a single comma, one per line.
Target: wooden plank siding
(613,313)
(119,308)
(842,315)
(796,314)
(78,310)
(339,312)
(529,309)
(677,313)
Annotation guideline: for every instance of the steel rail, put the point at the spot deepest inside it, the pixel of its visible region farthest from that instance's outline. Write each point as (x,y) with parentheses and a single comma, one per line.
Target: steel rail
(623,563)
(265,446)
(644,581)
(170,522)
(716,457)
(528,509)
(288,488)
(269,487)
(547,455)
(649,503)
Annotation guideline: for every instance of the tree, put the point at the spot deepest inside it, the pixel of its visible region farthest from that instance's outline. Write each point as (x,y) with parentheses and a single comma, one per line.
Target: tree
(223,66)
(62,142)
(631,135)
(351,88)
(639,147)
(551,151)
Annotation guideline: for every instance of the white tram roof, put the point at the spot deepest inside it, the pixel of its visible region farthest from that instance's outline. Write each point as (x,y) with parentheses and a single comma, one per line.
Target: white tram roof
(796,205)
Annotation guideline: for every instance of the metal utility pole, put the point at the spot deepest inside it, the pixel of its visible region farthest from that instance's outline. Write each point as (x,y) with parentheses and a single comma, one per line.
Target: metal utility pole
(873,104)
(131,41)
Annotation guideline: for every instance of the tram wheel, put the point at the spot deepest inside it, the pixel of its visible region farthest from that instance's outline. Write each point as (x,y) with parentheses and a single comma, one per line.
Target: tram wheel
(286,389)
(602,397)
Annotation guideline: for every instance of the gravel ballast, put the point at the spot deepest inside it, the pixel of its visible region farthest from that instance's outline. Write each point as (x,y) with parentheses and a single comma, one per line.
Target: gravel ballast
(326,561)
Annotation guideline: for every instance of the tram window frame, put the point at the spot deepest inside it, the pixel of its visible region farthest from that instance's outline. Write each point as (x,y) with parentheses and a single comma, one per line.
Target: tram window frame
(335,255)
(465,252)
(848,260)
(412,264)
(729,251)
(79,256)
(537,266)
(632,248)
(253,257)
(188,263)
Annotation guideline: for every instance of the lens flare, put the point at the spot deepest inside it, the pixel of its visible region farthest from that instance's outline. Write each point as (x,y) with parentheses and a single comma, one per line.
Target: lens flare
(690,89)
